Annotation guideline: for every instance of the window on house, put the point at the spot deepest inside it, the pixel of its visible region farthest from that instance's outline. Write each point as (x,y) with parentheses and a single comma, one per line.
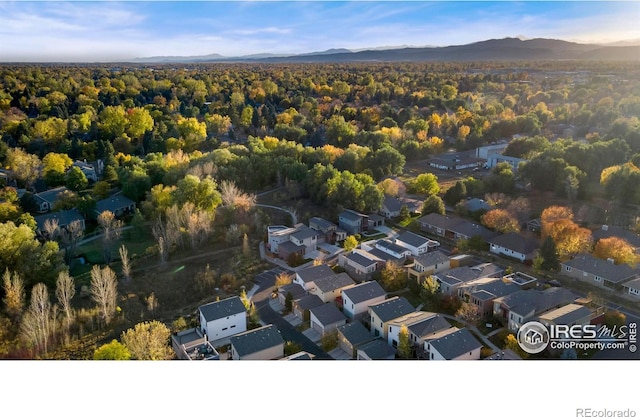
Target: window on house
(598,279)
(233,326)
(224,328)
(432,356)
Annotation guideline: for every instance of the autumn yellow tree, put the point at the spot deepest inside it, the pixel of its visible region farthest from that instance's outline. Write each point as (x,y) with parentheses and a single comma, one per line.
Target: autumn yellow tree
(552,214)
(617,249)
(569,237)
(500,220)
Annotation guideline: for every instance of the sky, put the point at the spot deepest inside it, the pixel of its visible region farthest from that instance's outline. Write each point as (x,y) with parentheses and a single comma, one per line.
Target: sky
(100,31)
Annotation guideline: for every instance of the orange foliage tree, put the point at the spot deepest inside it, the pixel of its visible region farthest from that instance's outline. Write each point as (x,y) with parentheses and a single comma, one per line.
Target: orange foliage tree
(617,249)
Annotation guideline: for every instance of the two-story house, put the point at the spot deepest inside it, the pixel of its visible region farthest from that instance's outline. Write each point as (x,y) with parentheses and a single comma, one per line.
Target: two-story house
(356,300)
(222,319)
(382,313)
(428,264)
(415,243)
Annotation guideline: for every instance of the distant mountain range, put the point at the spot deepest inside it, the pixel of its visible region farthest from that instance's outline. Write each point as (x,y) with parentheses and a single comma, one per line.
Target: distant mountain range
(507,49)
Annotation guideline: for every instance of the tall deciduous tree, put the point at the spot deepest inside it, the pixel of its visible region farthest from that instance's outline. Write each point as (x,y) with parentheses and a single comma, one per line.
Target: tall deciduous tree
(36,324)
(65,290)
(24,166)
(350,243)
(104,291)
(14,296)
(111,231)
(404,344)
(500,220)
(76,180)
(433,204)
(426,184)
(148,341)
(549,255)
(125,261)
(617,249)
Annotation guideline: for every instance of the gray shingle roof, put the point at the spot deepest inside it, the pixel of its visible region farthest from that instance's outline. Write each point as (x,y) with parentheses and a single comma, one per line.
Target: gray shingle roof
(334,282)
(360,260)
(440,221)
(113,203)
(328,314)
(456,344)
(355,333)
(352,215)
(304,232)
(431,258)
(493,289)
(601,267)
(516,242)
(64,217)
(614,231)
(534,301)
(431,325)
(476,204)
(222,308)
(468,273)
(568,314)
(321,223)
(472,229)
(412,239)
(363,292)
(256,340)
(52,195)
(314,273)
(392,308)
(377,349)
(634,284)
(296,290)
(389,245)
(309,301)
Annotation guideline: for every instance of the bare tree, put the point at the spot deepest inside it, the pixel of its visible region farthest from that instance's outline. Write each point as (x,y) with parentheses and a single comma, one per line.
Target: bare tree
(35,326)
(159,232)
(126,263)
(152,303)
(70,237)
(51,228)
(234,197)
(14,294)
(65,290)
(104,291)
(111,231)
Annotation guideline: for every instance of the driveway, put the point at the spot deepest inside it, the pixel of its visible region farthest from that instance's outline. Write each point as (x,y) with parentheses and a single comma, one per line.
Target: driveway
(312,335)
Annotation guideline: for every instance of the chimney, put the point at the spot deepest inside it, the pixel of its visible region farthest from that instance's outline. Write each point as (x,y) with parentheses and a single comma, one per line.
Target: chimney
(605,227)
(610,260)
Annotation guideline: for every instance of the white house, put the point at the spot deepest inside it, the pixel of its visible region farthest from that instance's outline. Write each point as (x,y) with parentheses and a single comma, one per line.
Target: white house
(420,324)
(416,244)
(453,344)
(223,318)
(356,300)
(264,343)
(632,288)
(388,247)
(382,313)
(514,245)
(277,235)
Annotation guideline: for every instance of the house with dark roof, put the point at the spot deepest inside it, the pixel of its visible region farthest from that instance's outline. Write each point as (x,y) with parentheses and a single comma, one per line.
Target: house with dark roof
(306,237)
(632,288)
(295,290)
(415,243)
(63,219)
(420,324)
(476,204)
(118,204)
(304,304)
(467,230)
(357,299)
(570,315)
(326,318)
(514,245)
(47,199)
(353,335)
(359,264)
(377,349)
(388,250)
(329,288)
(222,319)
(428,264)
(607,231)
(439,225)
(306,277)
(449,281)
(325,227)
(522,306)
(353,222)
(481,293)
(603,273)
(459,344)
(382,313)
(263,343)
(391,206)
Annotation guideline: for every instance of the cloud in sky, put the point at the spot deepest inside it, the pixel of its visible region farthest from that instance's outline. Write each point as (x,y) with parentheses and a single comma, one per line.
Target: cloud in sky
(109,31)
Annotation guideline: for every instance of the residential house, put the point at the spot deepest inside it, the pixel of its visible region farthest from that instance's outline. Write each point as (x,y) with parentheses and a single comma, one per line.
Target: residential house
(607,231)
(325,227)
(304,304)
(63,218)
(534,225)
(481,293)
(522,280)
(523,306)
(118,204)
(476,204)
(570,315)
(496,158)
(514,245)
(263,343)
(375,350)
(439,225)
(449,281)
(359,264)
(353,222)
(632,288)
(306,237)
(374,221)
(192,344)
(455,162)
(288,249)
(357,299)
(287,241)
(382,313)
(276,235)
(87,169)
(420,325)
(222,319)
(330,288)
(326,318)
(467,230)
(353,335)
(387,250)
(603,273)
(392,206)
(428,264)
(306,277)
(458,344)
(415,243)
(47,199)
(296,291)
